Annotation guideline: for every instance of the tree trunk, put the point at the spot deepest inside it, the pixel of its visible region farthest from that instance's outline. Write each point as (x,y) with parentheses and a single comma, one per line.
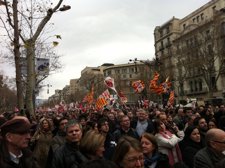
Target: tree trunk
(30,89)
(20,98)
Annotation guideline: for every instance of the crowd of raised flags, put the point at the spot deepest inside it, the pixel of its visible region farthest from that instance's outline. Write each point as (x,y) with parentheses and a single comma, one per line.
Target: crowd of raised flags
(111,96)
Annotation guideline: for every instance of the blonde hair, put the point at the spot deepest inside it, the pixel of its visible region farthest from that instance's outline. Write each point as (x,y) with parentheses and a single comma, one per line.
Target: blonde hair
(90,142)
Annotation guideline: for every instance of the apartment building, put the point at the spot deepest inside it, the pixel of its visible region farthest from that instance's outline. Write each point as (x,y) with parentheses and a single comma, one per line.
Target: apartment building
(125,74)
(191,51)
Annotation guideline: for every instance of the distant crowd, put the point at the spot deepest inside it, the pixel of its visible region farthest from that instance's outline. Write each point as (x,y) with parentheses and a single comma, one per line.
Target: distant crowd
(123,137)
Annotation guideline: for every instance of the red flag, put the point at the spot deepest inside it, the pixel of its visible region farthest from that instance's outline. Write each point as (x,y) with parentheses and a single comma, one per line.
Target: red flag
(90,96)
(109,82)
(138,86)
(171,99)
(106,94)
(100,103)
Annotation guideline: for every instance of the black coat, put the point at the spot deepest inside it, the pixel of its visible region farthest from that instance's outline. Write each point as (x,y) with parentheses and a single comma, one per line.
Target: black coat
(119,133)
(67,156)
(188,149)
(162,161)
(26,161)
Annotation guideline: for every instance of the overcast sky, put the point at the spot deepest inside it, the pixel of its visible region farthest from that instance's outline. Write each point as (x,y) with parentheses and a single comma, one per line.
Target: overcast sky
(109,31)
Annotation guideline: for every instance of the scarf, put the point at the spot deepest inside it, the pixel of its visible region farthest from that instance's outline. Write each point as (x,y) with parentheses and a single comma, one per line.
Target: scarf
(167,135)
(149,161)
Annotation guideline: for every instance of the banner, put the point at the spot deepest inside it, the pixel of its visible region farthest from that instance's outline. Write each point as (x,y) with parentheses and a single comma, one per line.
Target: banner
(138,86)
(109,82)
(42,66)
(100,103)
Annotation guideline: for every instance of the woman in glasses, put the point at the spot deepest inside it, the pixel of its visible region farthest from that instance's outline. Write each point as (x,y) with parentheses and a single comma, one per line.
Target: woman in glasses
(128,153)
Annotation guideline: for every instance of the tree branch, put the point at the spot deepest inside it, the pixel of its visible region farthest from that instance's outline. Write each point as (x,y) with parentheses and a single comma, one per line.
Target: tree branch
(45,20)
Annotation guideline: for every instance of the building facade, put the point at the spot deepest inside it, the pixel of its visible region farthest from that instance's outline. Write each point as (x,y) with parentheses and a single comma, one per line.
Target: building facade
(191,51)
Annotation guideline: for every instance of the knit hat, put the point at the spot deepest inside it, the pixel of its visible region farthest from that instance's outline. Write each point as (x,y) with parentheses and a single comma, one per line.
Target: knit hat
(15,125)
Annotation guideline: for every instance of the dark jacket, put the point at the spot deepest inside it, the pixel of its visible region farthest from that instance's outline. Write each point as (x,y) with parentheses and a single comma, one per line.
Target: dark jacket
(162,161)
(68,156)
(109,145)
(207,158)
(26,161)
(119,133)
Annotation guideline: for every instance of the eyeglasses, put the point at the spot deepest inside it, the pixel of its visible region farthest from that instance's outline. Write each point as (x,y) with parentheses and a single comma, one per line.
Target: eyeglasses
(135,159)
(220,142)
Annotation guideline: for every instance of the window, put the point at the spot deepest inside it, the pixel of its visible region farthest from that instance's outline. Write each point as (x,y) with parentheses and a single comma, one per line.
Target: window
(193,20)
(167,30)
(200,84)
(132,70)
(109,72)
(191,86)
(223,28)
(117,71)
(202,16)
(197,19)
(208,36)
(161,33)
(130,75)
(196,86)
(162,46)
(184,26)
(124,70)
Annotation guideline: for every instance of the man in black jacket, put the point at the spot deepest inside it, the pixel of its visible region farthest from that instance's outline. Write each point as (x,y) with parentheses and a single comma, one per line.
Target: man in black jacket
(68,155)
(143,123)
(213,154)
(14,152)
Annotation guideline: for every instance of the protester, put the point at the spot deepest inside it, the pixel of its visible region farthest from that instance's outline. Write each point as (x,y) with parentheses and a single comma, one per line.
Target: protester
(59,139)
(190,145)
(152,157)
(110,143)
(68,155)
(14,151)
(128,153)
(214,152)
(42,140)
(125,129)
(202,126)
(92,145)
(168,142)
(212,123)
(142,124)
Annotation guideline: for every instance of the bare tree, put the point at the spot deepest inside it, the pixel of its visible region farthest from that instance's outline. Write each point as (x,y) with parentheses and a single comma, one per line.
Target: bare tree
(200,55)
(34,16)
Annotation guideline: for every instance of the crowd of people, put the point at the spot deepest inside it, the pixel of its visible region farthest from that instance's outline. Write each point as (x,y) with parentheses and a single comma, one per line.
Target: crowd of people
(125,137)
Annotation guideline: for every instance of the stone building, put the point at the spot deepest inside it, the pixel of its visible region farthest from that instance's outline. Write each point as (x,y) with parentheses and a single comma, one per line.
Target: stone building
(191,50)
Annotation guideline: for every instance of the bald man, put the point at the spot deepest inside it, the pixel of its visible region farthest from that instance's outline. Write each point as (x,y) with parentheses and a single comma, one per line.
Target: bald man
(214,153)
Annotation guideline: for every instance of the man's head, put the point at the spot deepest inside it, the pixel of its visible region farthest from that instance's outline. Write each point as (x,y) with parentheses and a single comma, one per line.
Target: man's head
(180,112)
(103,125)
(201,123)
(215,139)
(16,132)
(62,123)
(125,122)
(142,115)
(73,131)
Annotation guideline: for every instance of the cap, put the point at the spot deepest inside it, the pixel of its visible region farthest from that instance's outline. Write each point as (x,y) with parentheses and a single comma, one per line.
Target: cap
(16,125)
